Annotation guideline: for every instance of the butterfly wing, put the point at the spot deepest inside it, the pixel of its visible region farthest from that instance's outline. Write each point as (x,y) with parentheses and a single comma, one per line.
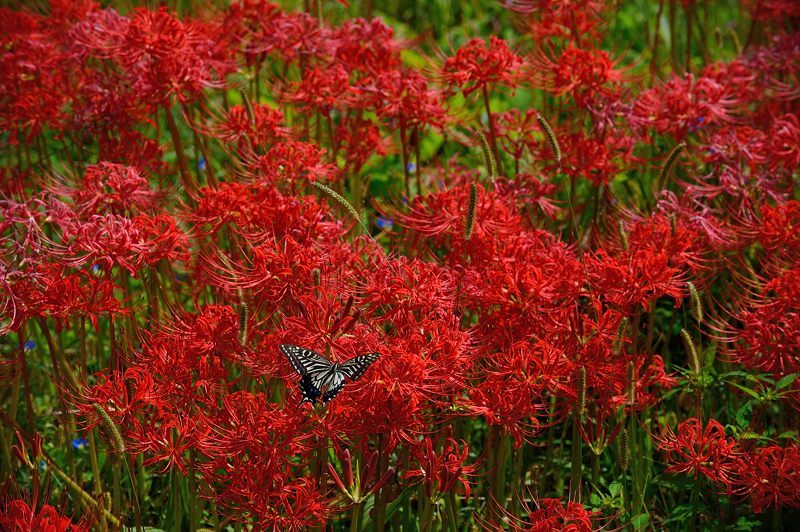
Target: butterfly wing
(310,392)
(334,389)
(305,361)
(356,366)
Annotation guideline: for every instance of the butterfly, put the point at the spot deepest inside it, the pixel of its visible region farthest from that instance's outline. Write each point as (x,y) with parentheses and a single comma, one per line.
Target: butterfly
(321,378)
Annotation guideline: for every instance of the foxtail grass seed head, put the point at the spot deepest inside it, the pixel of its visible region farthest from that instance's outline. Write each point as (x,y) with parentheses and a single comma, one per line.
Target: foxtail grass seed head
(551,137)
(624,449)
(316,276)
(737,44)
(488,157)
(339,199)
(673,224)
(691,351)
(244,313)
(473,198)
(582,392)
(623,234)
(697,304)
(111,427)
(666,170)
(631,383)
(623,326)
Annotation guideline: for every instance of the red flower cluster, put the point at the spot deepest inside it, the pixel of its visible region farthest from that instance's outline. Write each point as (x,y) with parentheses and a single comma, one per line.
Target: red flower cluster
(179,196)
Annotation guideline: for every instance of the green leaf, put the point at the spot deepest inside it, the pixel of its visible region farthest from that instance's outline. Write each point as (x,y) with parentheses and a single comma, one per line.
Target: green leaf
(615,488)
(640,521)
(744,414)
(786,380)
(748,391)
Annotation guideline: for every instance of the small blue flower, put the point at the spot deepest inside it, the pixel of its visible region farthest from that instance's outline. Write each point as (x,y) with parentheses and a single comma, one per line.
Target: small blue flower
(384,223)
(411,167)
(201,164)
(79,443)
(30,344)
(698,125)
(42,465)
(95,268)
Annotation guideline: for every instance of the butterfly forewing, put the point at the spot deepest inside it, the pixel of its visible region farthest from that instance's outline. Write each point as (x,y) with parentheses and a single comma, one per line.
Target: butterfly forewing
(305,361)
(356,366)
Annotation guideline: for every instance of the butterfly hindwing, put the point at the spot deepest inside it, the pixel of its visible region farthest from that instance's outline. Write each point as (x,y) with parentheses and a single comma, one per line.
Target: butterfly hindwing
(310,392)
(356,366)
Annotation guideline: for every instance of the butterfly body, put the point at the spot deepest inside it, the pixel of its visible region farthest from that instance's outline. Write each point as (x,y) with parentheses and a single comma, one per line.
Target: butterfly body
(321,378)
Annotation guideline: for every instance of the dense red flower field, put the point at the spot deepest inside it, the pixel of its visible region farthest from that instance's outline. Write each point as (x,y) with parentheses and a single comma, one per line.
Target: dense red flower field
(561,238)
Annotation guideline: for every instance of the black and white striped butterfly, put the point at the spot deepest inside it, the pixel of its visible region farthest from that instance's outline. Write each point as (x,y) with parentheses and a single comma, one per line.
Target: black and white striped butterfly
(321,378)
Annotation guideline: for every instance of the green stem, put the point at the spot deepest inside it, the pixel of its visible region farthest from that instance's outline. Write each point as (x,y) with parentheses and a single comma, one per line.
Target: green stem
(492,133)
(576,464)
(355,517)
(183,166)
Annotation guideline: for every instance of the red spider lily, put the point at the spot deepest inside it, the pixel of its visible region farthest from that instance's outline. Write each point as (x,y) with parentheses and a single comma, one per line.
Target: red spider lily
(322,90)
(298,506)
(252,464)
(573,19)
(785,137)
(441,471)
(167,440)
(696,449)
(770,477)
(528,189)
(768,338)
(36,85)
(773,10)
(364,483)
(423,364)
(658,257)
(263,128)
(367,46)
(360,140)
(477,65)
(111,188)
(775,230)
(112,240)
(597,159)
(263,212)
(261,28)
(583,73)
(123,396)
(544,515)
(65,295)
(293,162)
(165,57)
(514,395)
(17,516)
(405,98)
(515,130)
(683,105)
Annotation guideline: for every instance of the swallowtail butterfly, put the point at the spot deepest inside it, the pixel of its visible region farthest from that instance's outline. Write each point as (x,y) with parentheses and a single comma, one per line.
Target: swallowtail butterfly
(321,378)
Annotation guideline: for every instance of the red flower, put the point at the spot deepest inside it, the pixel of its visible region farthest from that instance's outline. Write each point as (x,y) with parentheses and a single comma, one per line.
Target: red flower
(583,73)
(112,188)
(771,477)
(17,516)
(696,449)
(442,471)
(477,65)
(683,105)
(546,515)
